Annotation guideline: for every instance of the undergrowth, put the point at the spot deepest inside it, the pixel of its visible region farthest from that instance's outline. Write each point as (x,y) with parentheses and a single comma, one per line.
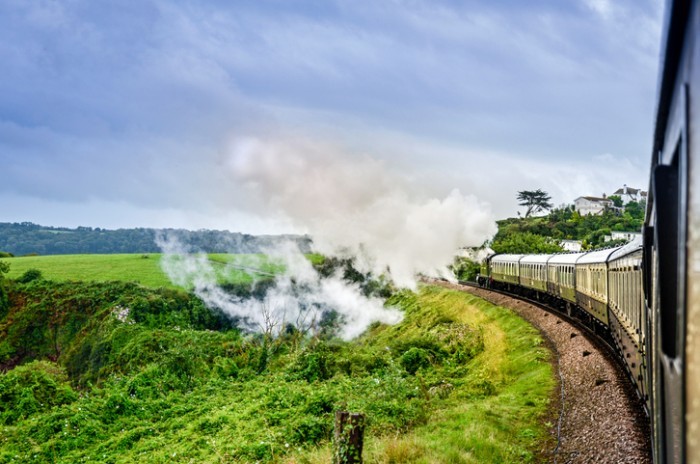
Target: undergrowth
(115,373)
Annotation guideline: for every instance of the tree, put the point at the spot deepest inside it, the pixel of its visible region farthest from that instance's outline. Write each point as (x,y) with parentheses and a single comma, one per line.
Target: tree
(4,269)
(524,243)
(616,199)
(535,201)
(636,210)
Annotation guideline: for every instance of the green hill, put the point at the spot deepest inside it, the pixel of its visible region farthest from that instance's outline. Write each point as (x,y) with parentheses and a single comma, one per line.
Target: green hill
(541,234)
(119,373)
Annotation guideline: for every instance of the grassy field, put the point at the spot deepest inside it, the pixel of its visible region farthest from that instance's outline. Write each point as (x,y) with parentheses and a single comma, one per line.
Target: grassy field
(144,269)
(459,380)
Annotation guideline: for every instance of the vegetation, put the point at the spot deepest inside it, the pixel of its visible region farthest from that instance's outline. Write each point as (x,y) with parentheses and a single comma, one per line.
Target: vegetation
(144,269)
(525,242)
(542,234)
(4,302)
(27,238)
(115,372)
(617,200)
(535,201)
(465,269)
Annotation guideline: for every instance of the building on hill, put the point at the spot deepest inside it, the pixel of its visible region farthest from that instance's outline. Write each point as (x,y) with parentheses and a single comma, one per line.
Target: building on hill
(571,245)
(628,194)
(592,205)
(620,235)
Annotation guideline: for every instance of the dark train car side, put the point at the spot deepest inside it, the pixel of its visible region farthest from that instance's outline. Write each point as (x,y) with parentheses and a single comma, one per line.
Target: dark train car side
(672,243)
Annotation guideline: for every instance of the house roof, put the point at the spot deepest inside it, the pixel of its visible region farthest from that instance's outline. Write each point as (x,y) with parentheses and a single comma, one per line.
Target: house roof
(596,199)
(629,191)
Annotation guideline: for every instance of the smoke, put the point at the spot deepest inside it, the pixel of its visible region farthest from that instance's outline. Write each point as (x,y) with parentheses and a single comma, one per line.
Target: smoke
(353,207)
(358,206)
(299,296)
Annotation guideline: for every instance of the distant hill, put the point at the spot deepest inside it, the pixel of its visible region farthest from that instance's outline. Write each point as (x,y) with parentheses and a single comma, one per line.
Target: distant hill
(27,238)
(542,234)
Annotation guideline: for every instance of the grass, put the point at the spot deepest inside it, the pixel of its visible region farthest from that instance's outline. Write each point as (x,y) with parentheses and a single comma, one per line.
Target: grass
(459,380)
(143,269)
(140,268)
(496,412)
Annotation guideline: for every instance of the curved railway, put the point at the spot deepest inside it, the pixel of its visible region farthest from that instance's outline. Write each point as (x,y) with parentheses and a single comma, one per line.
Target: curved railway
(646,296)
(597,417)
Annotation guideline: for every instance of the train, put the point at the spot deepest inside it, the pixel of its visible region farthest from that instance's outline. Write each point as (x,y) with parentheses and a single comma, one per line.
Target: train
(601,288)
(645,296)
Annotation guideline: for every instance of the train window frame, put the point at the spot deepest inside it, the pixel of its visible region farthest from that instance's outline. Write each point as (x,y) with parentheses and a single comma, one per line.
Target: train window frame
(669,181)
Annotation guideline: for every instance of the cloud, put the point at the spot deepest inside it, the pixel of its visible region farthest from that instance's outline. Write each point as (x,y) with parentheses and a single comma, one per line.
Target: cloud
(132,102)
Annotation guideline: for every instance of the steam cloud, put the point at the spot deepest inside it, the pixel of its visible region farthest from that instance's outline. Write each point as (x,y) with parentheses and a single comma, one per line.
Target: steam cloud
(357,207)
(299,296)
(353,208)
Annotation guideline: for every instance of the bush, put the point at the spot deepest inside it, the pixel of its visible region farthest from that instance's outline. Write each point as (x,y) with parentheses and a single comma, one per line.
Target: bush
(314,363)
(29,276)
(34,387)
(4,302)
(465,269)
(414,359)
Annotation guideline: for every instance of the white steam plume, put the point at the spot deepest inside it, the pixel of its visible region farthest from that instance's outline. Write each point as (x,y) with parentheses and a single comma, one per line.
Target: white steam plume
(299,296)
(356,207)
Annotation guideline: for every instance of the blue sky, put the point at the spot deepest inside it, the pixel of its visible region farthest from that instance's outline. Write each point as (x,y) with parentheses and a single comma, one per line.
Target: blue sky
(120,114)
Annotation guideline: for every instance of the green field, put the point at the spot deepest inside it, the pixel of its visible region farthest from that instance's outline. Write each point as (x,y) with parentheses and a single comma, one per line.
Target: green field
(143,269)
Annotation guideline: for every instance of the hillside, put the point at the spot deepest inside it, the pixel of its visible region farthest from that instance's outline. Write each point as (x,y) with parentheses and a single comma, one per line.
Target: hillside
(541,234)
(26,238)
(117,373)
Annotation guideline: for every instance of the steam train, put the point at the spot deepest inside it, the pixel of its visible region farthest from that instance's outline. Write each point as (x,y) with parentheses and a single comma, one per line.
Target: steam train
(645,295)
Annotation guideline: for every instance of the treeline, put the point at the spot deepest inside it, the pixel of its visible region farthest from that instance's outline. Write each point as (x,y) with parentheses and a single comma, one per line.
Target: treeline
(543,234)
(26,238)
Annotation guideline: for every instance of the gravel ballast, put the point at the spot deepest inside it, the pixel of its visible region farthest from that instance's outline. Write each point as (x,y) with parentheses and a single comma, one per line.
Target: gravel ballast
(599,418)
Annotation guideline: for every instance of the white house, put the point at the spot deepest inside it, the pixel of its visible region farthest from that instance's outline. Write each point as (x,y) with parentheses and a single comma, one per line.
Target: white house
(630,194)
(619,235)
(592,205)
(571,245)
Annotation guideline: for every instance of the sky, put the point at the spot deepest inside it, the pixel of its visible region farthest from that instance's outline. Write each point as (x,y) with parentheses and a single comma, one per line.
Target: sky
(143,113)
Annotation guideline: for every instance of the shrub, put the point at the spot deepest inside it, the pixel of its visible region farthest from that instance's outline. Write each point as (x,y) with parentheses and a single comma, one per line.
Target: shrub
(414,359)
(29,276)
(314,363)
(4,301)
(34,387)
(465,269)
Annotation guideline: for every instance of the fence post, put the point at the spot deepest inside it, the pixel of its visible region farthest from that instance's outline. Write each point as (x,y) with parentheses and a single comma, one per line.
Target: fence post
(348,438)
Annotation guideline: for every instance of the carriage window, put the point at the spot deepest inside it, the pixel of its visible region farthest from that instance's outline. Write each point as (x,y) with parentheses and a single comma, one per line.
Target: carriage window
(668,199)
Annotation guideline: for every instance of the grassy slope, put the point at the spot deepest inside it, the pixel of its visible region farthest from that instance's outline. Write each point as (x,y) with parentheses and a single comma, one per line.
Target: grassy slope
(459,380)
(496,413)
(140,268)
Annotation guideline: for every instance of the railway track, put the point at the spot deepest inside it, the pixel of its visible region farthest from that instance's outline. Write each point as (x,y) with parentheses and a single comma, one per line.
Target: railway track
(596,414)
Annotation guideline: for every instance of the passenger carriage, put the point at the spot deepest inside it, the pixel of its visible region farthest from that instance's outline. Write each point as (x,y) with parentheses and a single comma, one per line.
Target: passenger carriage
(626,311)
(533,272)
(592,283)
(561,276)
(506,269)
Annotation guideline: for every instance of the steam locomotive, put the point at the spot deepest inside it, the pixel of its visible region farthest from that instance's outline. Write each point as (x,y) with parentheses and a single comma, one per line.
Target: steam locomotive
(645,296)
